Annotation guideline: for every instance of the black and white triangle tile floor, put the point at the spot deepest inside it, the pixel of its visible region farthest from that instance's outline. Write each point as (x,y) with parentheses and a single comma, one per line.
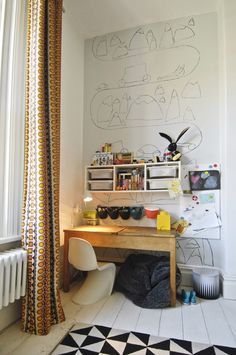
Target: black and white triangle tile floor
(88,339)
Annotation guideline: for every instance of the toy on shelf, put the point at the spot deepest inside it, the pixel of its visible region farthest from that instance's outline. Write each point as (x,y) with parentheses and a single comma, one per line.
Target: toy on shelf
(101,158)
(123,158)
(173,153)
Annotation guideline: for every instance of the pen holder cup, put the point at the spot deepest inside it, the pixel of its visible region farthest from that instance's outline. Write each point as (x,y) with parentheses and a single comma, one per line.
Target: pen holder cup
(136,212)
(124,212)
(113,212)
(102,212)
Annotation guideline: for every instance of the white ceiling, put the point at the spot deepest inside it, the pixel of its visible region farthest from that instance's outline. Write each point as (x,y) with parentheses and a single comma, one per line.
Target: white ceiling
(96,17)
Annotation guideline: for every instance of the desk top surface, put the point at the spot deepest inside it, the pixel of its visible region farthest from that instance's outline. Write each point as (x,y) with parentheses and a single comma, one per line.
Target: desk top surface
(123,230)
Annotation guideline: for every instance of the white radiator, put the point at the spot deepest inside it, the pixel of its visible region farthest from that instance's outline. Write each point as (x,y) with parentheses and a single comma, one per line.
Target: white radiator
(13,268)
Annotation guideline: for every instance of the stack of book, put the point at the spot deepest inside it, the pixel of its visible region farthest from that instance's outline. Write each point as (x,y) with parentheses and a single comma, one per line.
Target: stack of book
(132,180)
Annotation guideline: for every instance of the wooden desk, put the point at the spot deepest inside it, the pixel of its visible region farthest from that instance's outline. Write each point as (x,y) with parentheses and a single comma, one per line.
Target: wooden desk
(120,237)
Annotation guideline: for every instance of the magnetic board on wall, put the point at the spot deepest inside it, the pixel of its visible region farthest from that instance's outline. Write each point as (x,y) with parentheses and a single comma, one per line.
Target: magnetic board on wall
(201,208)
(204,180)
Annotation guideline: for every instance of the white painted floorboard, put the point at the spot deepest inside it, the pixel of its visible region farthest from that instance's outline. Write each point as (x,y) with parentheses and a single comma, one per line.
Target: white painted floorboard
(149,321)
(207,322)
(217,324)
(229,310)
(110,310)
(87,314)
(171,324)
(194,327)
(128,316)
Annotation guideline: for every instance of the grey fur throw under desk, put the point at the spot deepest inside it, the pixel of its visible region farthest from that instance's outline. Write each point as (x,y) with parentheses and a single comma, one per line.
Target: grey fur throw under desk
(145,279)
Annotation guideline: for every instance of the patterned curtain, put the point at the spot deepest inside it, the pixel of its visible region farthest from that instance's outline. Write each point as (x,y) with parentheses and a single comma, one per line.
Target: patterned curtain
(40,225)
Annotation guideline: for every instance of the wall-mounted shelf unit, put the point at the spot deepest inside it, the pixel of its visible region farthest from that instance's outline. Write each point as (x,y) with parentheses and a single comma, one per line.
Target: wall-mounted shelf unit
(132,177)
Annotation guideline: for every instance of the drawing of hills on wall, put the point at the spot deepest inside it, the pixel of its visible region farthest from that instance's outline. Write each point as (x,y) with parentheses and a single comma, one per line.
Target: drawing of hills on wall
(119,108)
(144,39)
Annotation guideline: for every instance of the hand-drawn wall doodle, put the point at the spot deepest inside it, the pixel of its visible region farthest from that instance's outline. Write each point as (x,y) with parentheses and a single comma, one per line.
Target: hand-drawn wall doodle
(161,77)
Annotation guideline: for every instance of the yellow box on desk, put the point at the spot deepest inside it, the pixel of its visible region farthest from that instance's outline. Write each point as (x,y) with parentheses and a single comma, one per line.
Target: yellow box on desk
(163,221)
(90,214)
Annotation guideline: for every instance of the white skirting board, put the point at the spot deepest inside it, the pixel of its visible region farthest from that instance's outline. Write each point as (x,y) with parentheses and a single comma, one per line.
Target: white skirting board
(186,273)
(229,286)
(227,282)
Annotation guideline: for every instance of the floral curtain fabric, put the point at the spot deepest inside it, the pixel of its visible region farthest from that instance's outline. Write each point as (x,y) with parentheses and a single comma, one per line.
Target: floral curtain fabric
(40,225)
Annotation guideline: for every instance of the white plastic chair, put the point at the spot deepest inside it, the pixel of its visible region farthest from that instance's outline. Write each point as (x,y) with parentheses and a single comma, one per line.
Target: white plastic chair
(100,278)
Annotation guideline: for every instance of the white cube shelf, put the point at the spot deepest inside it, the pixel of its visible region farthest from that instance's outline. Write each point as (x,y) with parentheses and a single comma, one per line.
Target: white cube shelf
(132,177)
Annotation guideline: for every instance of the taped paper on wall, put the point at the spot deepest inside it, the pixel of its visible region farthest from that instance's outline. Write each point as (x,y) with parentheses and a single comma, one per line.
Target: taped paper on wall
(207,197)
(201,218)
(174,188)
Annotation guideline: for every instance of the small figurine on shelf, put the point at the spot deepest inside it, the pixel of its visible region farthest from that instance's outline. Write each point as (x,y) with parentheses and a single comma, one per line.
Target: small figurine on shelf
(173,153)
(101,158)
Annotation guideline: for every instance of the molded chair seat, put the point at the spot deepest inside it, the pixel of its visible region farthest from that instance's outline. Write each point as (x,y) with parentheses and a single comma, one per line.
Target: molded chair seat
(100,277)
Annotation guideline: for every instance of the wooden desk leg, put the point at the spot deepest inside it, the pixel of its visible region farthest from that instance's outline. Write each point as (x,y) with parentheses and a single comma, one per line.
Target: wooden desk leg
(173,278)
(66,272)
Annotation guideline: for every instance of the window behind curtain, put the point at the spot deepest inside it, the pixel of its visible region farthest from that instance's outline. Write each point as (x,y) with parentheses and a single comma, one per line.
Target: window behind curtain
(12,102)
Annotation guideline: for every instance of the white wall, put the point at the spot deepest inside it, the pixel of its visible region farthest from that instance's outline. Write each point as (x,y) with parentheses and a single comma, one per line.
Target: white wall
(143,84)
(71,130)
(72,114)
(229,49)
(72,138)
(130,78)
(71,122)
(223,151)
